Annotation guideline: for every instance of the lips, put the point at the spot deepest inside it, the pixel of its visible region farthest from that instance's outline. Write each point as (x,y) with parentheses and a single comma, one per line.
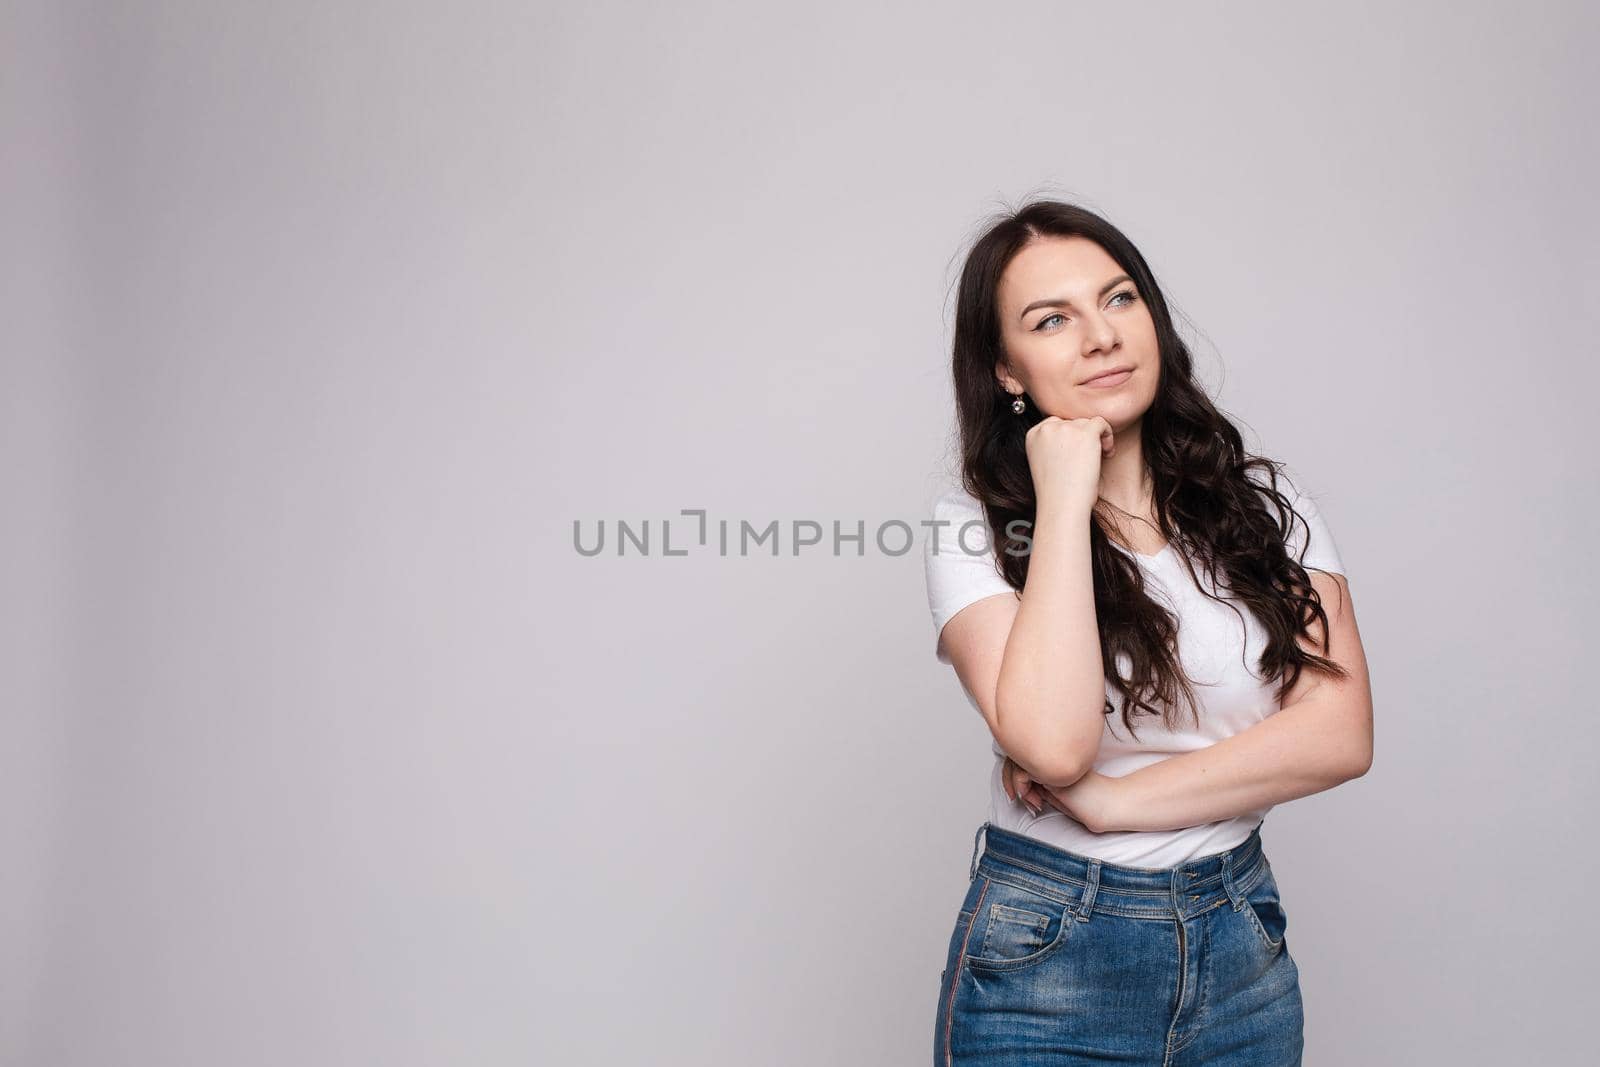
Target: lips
(1109,379)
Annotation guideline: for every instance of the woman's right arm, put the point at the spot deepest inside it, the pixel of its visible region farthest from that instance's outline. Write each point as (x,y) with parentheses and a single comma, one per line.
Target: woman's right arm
(1034,665)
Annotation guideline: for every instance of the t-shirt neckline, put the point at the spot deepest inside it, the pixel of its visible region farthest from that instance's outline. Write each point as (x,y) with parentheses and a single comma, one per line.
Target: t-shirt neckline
(1165,550)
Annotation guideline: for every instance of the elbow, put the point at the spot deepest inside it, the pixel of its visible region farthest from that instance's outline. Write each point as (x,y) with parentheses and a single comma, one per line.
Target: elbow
(1062,773)
(1056,755)
(1359,761)
(1054,764)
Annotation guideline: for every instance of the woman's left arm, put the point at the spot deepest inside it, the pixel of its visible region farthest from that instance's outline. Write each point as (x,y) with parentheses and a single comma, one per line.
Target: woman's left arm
(1320,737)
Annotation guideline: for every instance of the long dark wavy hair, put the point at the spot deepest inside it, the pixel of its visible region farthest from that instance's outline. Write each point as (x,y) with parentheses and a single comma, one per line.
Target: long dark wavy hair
(1211,498)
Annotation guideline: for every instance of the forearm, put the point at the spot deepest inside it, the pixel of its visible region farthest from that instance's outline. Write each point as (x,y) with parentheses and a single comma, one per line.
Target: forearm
(1050,692)
(1304,748)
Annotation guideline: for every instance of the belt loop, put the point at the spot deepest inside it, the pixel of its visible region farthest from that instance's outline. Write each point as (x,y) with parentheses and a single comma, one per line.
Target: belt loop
(1086,906)
(973,872)
(1229,883)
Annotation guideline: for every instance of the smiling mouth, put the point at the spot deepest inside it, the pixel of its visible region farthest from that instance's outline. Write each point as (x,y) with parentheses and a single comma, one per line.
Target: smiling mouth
(1109,380)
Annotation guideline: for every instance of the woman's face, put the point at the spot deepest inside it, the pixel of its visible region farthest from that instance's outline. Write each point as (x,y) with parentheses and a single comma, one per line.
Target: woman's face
(1068,316)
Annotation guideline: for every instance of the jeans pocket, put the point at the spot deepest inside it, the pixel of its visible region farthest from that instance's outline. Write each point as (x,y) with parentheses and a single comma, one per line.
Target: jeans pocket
(1014,928)
(1264,909)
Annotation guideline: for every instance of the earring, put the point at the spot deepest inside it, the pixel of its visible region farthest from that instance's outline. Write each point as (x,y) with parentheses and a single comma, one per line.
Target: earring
(1018,406)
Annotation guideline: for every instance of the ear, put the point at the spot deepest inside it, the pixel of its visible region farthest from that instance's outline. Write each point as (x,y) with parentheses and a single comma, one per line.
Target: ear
(1007,382)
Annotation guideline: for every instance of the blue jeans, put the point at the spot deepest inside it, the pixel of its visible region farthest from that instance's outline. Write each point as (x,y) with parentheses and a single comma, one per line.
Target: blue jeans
(1058,958)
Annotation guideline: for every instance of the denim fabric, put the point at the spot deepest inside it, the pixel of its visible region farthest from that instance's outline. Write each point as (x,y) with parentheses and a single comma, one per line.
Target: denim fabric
(1058,958)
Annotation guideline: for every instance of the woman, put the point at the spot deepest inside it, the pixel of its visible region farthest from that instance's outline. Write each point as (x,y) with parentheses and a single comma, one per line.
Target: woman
(1163,646)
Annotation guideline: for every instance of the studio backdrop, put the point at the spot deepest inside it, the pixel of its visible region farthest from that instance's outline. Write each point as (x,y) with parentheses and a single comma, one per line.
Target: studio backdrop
(464,466)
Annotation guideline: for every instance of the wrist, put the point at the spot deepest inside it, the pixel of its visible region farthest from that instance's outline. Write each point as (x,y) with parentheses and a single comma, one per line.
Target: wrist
(1116,807)
(1065,506)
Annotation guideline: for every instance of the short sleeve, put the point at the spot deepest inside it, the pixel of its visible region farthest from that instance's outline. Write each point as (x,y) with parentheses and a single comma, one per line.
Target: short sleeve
(958,560)
(1309,533)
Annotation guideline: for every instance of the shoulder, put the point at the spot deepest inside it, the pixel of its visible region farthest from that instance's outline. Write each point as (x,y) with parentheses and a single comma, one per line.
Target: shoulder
(1308,538)
(960,563)
(957,525)
(1277,474)
(952,502)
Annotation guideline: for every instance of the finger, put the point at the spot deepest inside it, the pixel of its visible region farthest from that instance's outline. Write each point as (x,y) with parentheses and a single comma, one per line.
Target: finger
(1022,786)
(1020,783)
(1025,791)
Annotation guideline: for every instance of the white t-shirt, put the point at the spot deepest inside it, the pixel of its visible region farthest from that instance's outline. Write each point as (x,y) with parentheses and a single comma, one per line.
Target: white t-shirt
(1218,653)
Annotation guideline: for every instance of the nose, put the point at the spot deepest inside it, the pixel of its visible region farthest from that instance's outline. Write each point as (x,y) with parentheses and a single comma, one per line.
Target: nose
(1100,336)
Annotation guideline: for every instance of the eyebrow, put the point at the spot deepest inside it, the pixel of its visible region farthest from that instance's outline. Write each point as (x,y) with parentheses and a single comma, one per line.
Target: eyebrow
(1061,301)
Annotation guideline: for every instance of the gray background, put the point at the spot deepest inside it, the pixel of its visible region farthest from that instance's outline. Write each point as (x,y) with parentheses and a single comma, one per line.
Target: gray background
(323,322)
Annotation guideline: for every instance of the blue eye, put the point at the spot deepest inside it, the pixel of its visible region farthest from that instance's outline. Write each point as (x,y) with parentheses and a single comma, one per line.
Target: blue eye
(1129,293)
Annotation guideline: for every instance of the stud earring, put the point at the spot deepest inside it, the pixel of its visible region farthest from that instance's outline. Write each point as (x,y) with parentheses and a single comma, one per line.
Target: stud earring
(1018,406)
